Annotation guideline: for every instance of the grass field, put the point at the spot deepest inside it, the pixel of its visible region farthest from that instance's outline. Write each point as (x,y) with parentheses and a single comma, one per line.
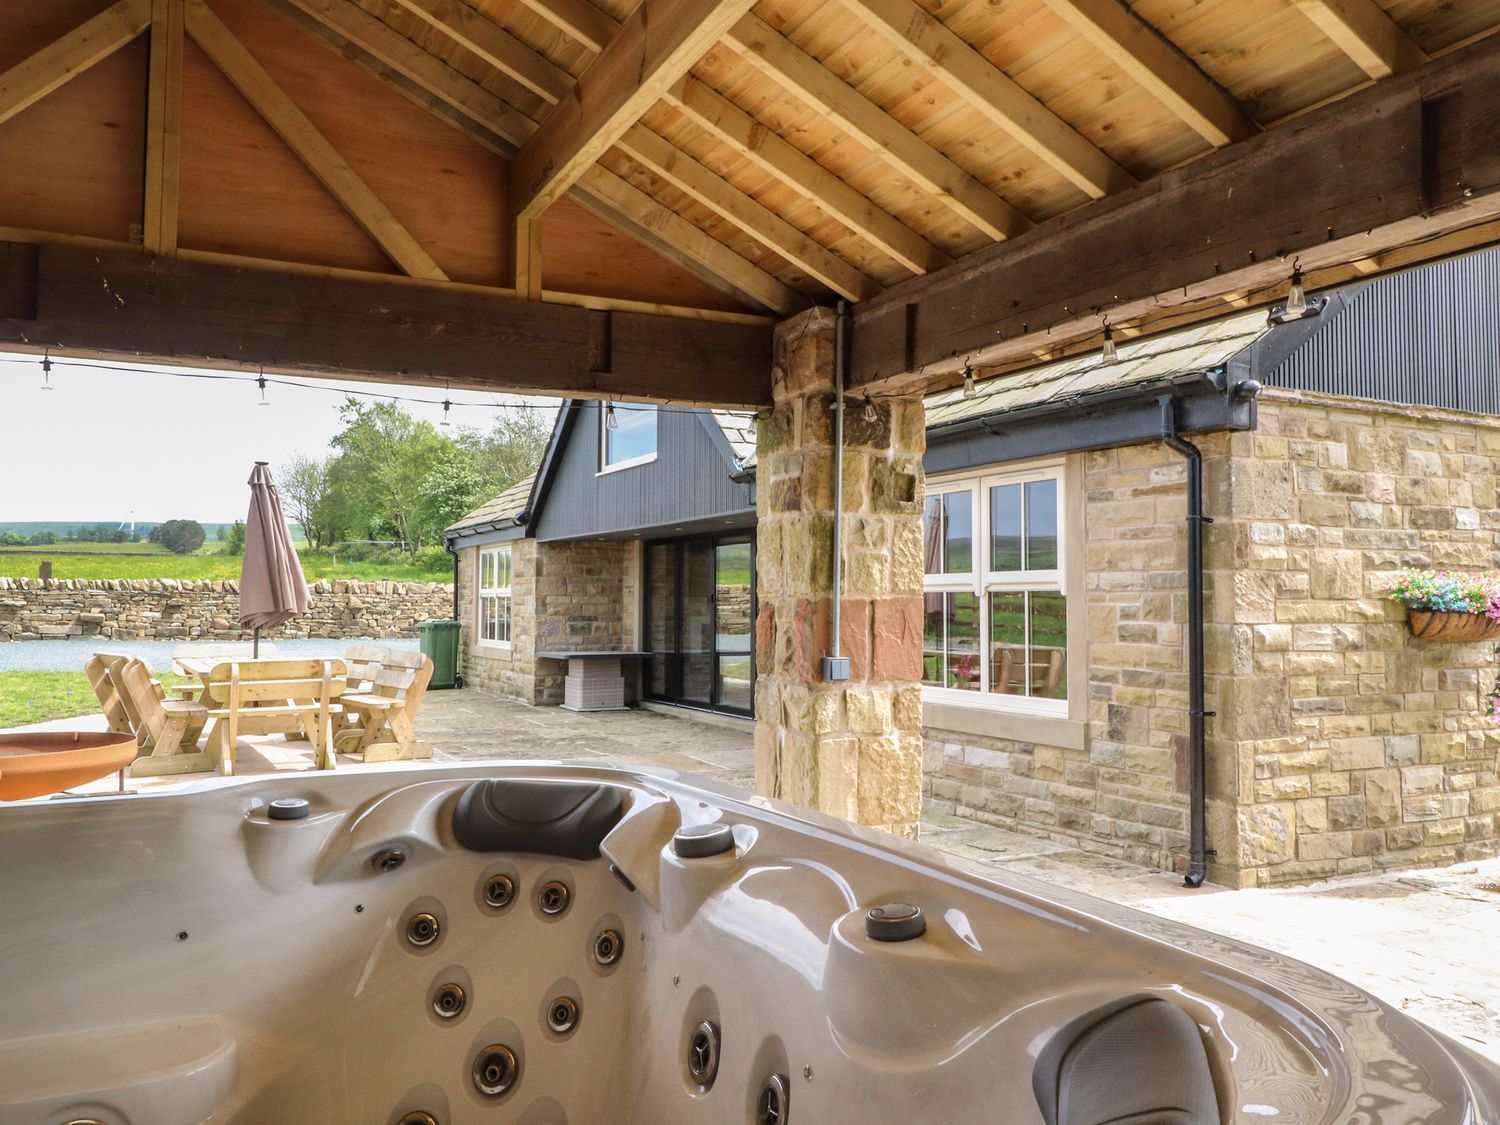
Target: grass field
(88,549)
(315,565)
(35,697)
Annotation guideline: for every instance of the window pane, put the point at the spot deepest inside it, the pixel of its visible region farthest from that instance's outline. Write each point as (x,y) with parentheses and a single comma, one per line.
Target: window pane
(732,596)
(1005,527)
(950,646)
(958,533)
(1041,525)
(1049,645)
(734,682)
(1008,643)
(486,563)
(504,573)
(932,536)
(634,434)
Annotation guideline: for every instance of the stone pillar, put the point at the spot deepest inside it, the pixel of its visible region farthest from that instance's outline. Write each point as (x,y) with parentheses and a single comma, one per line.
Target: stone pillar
(851,749)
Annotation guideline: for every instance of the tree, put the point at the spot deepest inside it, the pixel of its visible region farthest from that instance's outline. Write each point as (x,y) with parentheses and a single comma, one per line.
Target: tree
(181,537)
(513,447)
(234,538)
(304,485)
(377,474)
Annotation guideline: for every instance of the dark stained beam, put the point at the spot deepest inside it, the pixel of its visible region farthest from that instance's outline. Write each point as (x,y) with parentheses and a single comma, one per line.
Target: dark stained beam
(130,306)
(1408,160)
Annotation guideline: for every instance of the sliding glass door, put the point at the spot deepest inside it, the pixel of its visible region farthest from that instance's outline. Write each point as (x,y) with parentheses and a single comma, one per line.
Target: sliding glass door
(700,608)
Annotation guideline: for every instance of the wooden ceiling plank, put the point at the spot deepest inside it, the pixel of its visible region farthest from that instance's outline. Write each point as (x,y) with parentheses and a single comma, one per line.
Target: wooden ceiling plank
(577,19)
(730,203)
(1154,62)
(803,76)
(1364,32)
(496,46)
(611,197)
(36,76)
(736,129)
(655,47)
(163,127)
(389,47)
(926,41)
(303,137)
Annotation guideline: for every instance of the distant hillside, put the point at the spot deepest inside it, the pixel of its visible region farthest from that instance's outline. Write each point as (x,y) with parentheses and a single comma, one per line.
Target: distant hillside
(64,528)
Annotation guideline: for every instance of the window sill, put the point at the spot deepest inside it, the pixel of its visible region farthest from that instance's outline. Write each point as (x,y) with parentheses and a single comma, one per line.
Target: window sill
(634,462)
(1014,726)
(496,646)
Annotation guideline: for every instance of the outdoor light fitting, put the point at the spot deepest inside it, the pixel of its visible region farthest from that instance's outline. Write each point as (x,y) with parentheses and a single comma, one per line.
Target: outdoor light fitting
(1111,354)
(610,421)
(46,371)
(1297,306)
(261,383)
(446,406)
(969,389)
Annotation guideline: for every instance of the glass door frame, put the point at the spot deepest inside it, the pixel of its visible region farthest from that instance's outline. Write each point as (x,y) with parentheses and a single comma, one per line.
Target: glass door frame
(677,545)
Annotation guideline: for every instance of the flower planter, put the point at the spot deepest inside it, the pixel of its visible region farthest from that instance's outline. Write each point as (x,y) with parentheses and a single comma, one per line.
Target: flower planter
(1431,625)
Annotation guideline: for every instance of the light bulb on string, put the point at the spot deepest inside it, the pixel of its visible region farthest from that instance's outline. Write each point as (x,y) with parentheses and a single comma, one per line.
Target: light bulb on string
(970,390)
(1296,298)
(1111,354)
(46,371)
(610,421)
(869,410)
(261,383)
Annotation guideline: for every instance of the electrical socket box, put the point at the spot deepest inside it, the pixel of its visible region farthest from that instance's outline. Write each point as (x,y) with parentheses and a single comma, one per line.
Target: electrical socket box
(835,669)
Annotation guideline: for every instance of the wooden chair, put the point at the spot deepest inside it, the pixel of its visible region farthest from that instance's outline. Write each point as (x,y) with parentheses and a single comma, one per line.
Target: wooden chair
(172,724)
(1008,670)
(363,662)
(109,699)
(114,670)
(273,697)
(386,731)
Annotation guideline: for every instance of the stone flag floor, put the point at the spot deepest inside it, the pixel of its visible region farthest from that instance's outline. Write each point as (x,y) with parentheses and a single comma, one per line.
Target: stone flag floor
(1425,941)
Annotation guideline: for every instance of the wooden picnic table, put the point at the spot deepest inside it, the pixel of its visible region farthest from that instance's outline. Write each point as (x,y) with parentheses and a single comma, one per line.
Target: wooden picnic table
(266,696)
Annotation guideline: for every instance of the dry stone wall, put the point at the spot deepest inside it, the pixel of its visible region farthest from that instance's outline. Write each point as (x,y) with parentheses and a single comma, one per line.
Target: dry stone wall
(167,609)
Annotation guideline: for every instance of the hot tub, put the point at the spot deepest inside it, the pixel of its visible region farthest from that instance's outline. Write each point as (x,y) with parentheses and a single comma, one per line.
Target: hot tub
(550,945)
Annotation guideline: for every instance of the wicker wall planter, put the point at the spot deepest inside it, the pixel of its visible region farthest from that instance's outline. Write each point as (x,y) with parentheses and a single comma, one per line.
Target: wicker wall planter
(1429,625)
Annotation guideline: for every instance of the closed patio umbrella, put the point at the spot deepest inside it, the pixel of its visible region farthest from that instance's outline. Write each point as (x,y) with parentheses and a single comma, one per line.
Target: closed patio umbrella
(272,588)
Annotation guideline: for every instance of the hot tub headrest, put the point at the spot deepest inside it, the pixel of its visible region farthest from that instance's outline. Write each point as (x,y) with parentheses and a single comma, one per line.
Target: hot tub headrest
(1138,1060)
(561,818)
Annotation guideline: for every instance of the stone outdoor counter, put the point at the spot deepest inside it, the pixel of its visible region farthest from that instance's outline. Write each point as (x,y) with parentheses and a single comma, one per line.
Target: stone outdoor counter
(169,609)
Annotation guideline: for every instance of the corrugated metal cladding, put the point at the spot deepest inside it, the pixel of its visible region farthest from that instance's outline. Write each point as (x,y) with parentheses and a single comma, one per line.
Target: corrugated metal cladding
(1429,336)
(689,480)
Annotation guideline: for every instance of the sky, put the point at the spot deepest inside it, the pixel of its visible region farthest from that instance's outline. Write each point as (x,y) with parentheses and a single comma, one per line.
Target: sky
(106,444)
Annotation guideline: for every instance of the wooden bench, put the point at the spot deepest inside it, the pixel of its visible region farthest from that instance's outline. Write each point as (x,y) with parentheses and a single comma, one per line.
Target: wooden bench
(273,697)
(387,710)
(110,703)
(169,727)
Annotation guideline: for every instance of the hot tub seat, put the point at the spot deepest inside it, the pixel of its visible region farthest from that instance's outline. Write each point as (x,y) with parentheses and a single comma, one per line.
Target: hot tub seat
(560,818)
(1139,1060)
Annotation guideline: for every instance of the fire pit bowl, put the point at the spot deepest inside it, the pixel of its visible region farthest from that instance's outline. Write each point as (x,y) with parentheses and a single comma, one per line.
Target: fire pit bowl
(35,764)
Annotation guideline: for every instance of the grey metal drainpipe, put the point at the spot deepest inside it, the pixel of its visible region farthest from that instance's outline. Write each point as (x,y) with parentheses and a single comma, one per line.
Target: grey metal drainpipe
(1197,715)
(449,544)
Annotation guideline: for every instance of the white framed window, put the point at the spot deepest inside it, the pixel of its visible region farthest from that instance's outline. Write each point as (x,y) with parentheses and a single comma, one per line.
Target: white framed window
(496,572)
(627,436)
(995,613)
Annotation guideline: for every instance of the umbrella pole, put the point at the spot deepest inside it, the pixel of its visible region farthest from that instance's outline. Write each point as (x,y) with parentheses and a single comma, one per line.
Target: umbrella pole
(255,646)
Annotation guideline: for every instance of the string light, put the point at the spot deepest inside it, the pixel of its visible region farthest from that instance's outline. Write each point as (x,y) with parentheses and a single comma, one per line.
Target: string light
(1111,353)
(610,421)
(1296,299)
(969,389)
(261,382)
(869,410)
(46,371)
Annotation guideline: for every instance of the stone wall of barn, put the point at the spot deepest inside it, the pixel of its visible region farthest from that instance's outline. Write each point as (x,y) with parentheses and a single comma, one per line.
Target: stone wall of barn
(168,609)
(1341,744)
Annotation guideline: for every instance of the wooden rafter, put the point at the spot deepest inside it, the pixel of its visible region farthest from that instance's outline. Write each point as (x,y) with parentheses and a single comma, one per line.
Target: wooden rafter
(987,89)
(163,127)
(431,84)
(850,111)
(736,129)
(1160,67)
(730,203)
(655,47)
(36,76)
(610,197)
(1364,32)
(292,125)
(578,19)
(496,46)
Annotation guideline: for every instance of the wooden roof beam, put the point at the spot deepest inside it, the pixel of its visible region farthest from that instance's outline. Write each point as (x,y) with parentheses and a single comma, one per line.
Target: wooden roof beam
(850,111)
(36,76)
(578,19)
(730,203)
(736,129)
(499,48)
(163,127)
(303,138)
(617,201)
(987,89)
(1164,71)
(655,47)
(1364,32)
